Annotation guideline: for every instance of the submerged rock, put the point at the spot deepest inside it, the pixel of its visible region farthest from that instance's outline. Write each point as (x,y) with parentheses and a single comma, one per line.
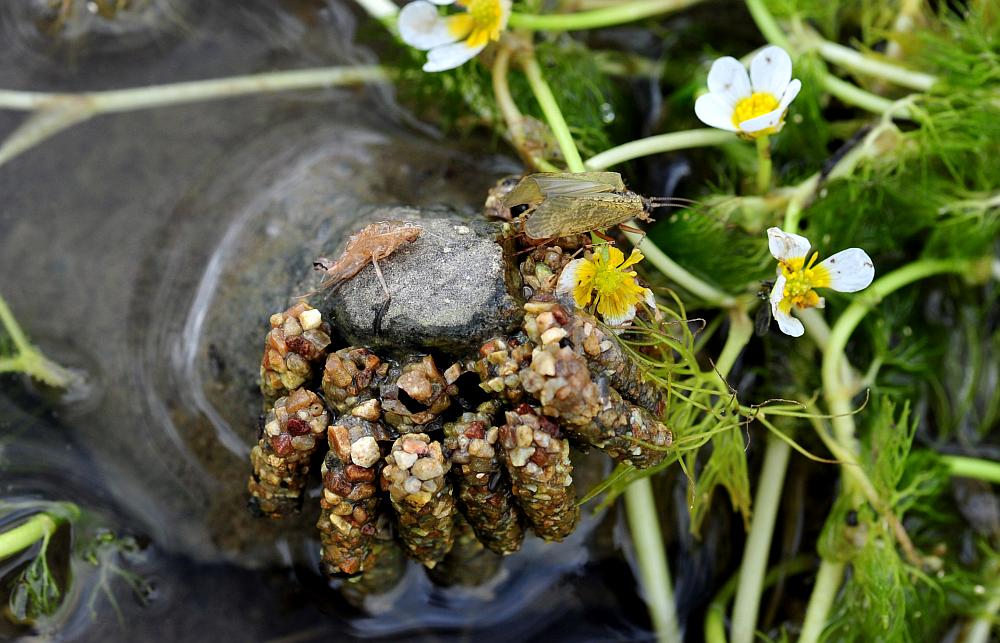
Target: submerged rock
(447,288)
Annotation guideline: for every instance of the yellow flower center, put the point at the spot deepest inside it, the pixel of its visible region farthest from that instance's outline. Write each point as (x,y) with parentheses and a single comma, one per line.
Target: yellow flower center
(754,105)
(606,278)
(481,23)
(800,279)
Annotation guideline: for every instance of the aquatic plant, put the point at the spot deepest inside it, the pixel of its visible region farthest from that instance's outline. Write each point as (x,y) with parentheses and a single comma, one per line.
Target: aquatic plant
(35,589)
(893,146)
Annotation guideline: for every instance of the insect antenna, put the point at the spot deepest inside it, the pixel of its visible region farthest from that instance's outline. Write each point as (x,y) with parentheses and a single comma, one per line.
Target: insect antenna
(668,201)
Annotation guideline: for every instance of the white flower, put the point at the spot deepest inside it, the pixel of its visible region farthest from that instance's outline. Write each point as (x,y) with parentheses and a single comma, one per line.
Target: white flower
(849,270)
(751,105)
(452,40)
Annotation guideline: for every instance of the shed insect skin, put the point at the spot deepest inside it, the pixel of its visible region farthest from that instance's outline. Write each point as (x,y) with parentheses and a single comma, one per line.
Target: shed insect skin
(560,204)
(373,242)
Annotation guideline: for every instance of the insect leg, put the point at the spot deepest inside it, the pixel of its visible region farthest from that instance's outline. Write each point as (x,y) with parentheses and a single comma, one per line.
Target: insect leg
(384,308)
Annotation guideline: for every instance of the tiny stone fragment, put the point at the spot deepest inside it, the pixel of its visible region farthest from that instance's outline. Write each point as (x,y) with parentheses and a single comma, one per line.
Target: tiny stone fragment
(425,516)
(543,481)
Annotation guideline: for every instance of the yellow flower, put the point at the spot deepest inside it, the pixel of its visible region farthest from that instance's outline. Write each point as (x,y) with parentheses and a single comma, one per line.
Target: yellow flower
(452,40)
(849,270)
(605,278)
(751,105)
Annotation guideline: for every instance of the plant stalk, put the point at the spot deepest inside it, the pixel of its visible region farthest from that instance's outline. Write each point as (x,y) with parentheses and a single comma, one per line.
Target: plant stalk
(640,506)
(767,25)
(763,164)
(857,62)
(964,467)
(660,144)
(553,115)
(821,600)
(758,545)
(597,18)
(674,271)
(38,527)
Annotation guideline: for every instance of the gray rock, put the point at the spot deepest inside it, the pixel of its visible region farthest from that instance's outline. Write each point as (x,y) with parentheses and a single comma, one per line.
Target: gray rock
(447,288)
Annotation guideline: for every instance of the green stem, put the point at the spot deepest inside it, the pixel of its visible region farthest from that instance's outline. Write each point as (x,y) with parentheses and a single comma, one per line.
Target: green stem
(122,100)
(510,112)
(13,329)
(554,116)
(740,332)
(597,18)
(36,528)
(855,61)
(979,630)
(824,591)
(763,164)
(715,627)
(855,96)
(963,467)
(674,271)
(657,145)
(836,393)
(758,545)
(29,360)
(767,25)
(645,528)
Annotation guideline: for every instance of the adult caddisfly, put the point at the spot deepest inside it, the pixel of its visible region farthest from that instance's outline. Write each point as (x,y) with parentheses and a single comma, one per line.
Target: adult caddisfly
(559,204)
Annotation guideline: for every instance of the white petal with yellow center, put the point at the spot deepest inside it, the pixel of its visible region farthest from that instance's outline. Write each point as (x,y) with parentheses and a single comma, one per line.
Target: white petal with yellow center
(421,26)
(788,324)
(786,245)
(773,118)
(850,270)
(714,111)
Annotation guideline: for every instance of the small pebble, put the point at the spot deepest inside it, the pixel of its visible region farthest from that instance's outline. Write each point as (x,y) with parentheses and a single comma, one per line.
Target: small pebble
(404,460)
(310,319)
(365,452)
(427,469)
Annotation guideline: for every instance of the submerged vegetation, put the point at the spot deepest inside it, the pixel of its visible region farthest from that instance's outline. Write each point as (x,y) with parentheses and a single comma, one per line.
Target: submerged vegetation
(884,400)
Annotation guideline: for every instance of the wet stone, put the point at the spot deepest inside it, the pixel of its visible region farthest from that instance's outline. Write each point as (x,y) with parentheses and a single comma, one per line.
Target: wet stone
(448,289)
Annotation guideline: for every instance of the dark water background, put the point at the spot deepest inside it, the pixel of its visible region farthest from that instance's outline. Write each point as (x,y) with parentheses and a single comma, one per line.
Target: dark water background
(142,249)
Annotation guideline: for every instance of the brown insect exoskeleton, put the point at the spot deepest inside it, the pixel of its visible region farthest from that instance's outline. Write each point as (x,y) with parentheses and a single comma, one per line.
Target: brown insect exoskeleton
(560,204)
(373,242)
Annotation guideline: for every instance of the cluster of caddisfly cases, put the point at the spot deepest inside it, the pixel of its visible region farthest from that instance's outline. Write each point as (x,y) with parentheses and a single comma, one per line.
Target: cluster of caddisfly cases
(451,463)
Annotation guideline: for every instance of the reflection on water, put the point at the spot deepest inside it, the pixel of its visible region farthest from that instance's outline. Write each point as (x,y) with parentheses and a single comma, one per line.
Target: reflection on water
(148,249)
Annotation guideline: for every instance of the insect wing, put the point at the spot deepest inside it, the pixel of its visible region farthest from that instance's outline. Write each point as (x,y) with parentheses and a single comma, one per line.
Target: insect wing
(569,183)
(762,320)
(536,187)
(559,216)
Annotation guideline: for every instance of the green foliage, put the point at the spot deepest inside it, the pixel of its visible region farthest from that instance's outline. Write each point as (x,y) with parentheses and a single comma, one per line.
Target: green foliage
(719,253)
(34,592)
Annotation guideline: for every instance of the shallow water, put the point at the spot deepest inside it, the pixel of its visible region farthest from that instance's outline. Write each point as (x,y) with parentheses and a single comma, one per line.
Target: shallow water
(141,248)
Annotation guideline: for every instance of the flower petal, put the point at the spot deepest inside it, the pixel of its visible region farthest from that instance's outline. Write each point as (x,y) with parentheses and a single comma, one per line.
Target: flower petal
(633,259)
(615,257)
(770,71)
(450,56)
(786,245)
(790,93)
(626,315)
(443,2)
(714,112)
(788,324)
(569,277)
(650,299)
(850,270)
(728,79)
(422,27)
(770,120)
